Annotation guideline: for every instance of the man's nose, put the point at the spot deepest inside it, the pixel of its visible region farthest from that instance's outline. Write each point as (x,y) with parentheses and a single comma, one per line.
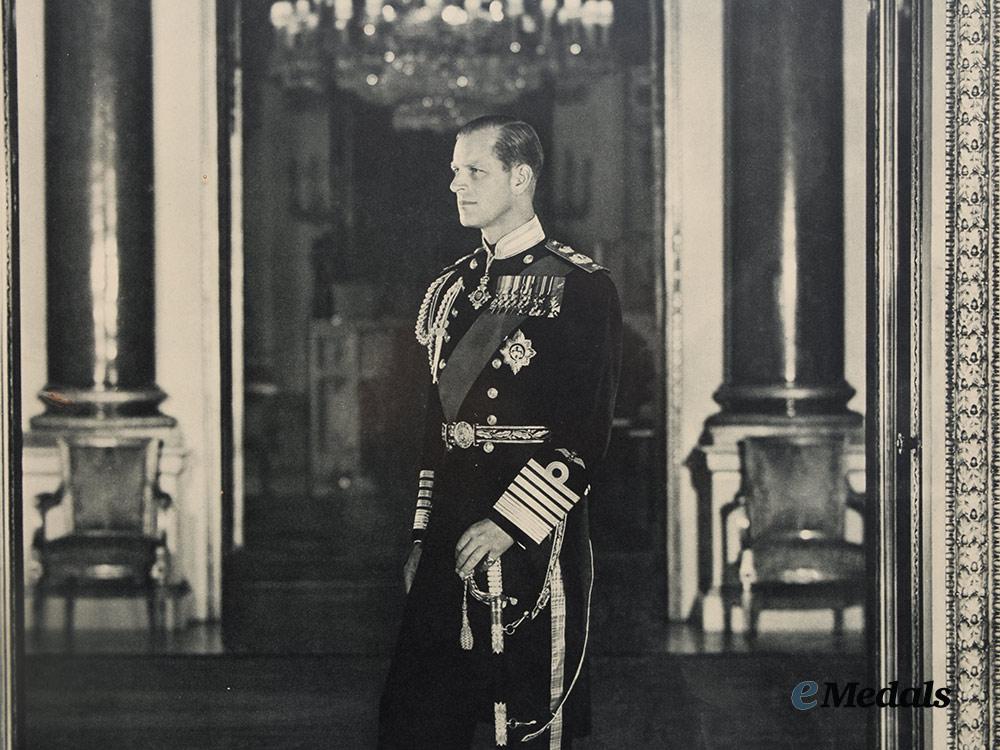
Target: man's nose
(457,183)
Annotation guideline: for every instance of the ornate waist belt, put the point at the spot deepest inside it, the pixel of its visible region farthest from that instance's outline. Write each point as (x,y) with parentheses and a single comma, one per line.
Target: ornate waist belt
(465,435)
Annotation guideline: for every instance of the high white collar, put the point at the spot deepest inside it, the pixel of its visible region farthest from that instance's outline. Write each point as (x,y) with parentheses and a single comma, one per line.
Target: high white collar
(529,234)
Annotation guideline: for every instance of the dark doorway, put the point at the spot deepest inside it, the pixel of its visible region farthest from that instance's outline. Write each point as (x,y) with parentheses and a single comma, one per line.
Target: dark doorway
(347,217)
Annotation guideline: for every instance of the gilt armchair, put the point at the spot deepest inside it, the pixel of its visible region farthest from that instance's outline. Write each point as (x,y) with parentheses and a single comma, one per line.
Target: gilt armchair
(110,493)
(790,517)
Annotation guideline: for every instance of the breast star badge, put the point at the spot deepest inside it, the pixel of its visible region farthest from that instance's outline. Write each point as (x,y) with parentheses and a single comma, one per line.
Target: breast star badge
(517,351)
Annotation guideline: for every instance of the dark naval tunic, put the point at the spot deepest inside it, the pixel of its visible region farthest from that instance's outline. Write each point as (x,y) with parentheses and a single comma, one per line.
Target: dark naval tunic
(524,349)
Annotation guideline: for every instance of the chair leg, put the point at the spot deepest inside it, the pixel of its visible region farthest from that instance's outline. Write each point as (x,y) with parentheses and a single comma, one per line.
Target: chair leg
(838,621)
(746,601)
(161,608)
(156,611)
(750,612)
(38,610)
(69,613)
(151,615)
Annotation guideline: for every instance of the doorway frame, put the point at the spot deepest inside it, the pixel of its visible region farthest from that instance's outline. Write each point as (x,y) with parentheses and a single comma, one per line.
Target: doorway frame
(11,554)
(898,254)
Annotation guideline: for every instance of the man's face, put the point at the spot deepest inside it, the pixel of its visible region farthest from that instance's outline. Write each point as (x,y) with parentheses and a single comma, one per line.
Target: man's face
(482,187)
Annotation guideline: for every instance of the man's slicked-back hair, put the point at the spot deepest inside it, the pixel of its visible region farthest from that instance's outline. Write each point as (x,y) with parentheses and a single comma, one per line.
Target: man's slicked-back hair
(516,143)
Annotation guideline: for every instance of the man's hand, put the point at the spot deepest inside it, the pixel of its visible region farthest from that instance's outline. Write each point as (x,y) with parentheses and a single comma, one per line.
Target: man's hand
(482,539)
(410,566)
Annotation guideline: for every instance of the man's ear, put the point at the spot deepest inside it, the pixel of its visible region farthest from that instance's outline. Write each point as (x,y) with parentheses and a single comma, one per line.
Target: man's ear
(521,175)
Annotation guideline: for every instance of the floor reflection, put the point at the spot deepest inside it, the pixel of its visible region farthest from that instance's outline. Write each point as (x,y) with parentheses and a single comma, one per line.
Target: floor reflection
(690,693)
(311,613)
(203,639)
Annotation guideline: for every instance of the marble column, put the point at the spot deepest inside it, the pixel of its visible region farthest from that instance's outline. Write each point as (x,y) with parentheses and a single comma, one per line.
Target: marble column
(99,269)
(99,217)
(784,336)
(784,254)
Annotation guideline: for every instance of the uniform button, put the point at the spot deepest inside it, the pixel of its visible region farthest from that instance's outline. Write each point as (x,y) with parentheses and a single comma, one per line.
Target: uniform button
(492,393)
(487,447)
(491,419)
(454,313)
(496,364)
(473,263)
(529,259)
(441,364)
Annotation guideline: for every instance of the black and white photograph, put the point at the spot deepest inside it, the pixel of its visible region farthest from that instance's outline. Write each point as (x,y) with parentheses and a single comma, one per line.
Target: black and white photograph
(467,374)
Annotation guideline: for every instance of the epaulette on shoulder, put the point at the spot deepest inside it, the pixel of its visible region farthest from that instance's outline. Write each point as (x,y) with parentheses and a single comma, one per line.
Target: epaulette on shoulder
(577,259)
(457,263)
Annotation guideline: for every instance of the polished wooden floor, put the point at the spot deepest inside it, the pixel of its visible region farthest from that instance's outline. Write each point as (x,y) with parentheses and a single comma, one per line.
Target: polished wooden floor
(218,701)
(312,611)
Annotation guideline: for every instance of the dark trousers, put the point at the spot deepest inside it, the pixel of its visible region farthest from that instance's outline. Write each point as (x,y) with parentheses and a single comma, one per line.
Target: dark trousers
(433,701)
(434,698)
(435,692)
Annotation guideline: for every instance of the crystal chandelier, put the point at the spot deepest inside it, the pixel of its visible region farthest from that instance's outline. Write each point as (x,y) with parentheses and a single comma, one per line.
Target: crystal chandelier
(437,63)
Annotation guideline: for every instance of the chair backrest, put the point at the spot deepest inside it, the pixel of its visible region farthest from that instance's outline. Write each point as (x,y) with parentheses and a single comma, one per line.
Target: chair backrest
(109,483)
(794,487)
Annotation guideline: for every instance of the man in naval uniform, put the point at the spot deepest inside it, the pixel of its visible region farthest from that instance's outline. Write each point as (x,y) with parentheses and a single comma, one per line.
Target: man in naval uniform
(523,340)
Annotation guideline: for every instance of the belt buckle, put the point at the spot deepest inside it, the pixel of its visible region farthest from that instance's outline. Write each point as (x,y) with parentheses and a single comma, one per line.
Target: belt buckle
(463,434)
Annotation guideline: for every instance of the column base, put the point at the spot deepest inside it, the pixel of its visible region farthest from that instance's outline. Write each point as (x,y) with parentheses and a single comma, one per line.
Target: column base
(68,403)
(120,412)
(49,425)
(730,427)
(784,400)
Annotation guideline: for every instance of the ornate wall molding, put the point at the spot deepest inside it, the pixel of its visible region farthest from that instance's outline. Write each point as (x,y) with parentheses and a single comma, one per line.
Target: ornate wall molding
(972,444)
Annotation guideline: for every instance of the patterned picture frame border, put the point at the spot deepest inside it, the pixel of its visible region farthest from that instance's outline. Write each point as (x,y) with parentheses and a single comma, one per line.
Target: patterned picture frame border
(972,341)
